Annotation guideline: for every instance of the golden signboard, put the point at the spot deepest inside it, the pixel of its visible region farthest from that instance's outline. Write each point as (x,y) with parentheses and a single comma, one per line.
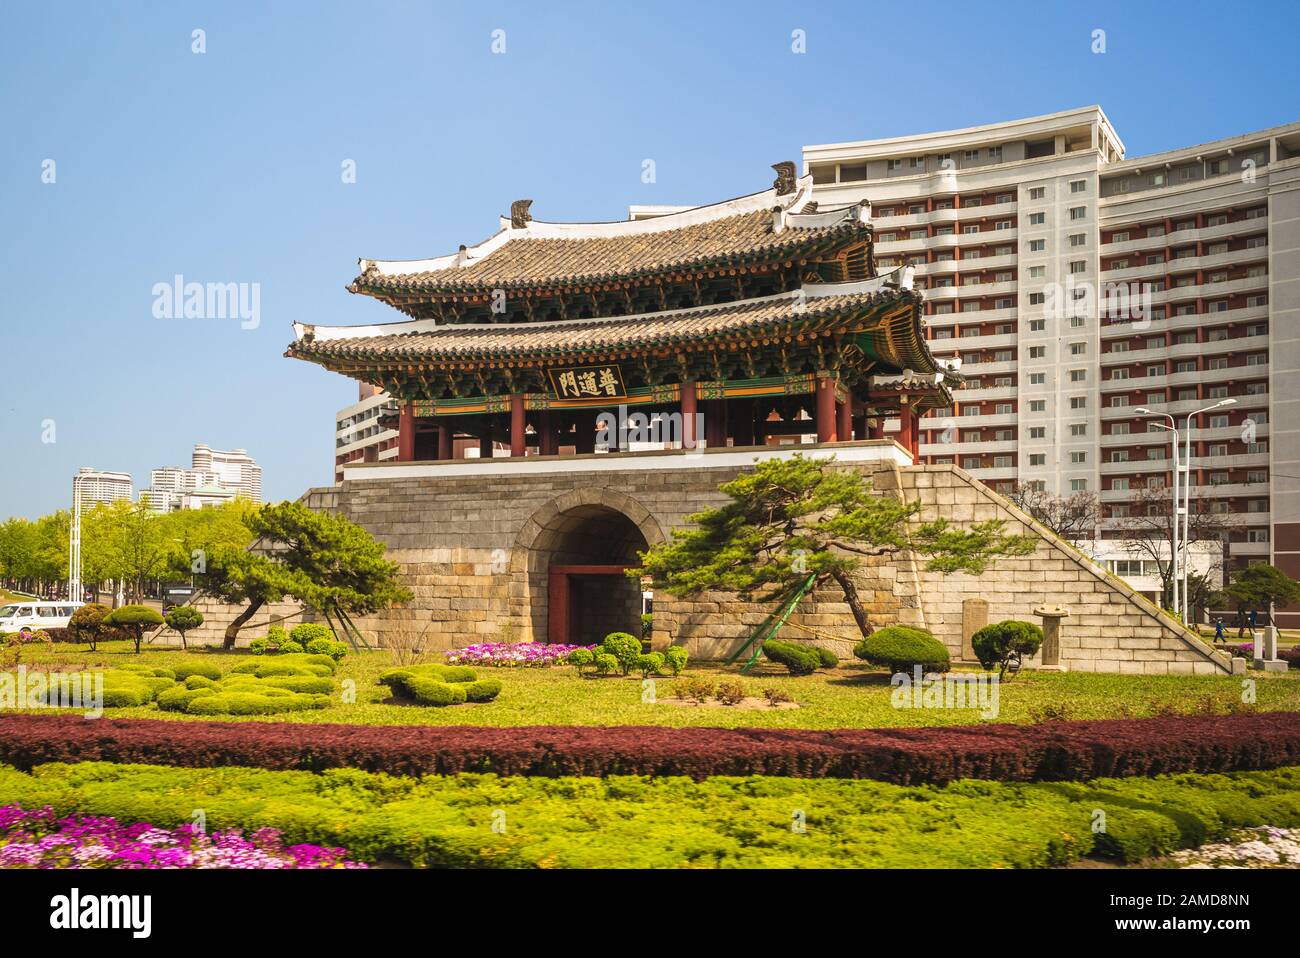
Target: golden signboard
(588,382)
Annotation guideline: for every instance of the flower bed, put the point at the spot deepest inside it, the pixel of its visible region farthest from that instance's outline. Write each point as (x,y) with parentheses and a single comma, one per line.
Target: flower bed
(1056,751)
(38,839)
(512,654)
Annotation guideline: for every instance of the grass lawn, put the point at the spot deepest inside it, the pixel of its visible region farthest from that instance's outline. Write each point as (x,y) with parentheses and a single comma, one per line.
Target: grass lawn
(632,821)
(851,696)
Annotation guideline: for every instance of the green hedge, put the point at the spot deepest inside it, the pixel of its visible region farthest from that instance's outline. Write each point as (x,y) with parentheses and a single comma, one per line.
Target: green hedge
(899,648)
(720,822)
(800,659)
(439,685)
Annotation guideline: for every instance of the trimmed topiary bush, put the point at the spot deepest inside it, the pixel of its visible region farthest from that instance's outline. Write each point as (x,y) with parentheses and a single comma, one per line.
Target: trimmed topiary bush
(625,647)
(1001,643)
(135,619)
(799,659)
(325,646)
(291,648)
(308,632)
(900,648)
(182,619)
(675,657)
(605,663)
(581,658)
(87,624)
(205,669)
(439,685)
(650,663)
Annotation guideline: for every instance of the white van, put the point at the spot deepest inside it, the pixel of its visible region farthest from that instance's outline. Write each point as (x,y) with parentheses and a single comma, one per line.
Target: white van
(37,615)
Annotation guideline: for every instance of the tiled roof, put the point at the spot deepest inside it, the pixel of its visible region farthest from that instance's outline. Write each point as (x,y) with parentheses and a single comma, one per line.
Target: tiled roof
(578,338)
(550,261)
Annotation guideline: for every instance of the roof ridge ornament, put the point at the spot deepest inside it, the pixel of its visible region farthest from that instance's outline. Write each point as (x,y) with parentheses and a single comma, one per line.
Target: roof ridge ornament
(519,215)
(786,182)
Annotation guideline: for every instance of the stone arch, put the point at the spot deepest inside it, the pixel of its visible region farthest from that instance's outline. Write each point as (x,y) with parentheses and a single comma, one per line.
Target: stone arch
(586,526)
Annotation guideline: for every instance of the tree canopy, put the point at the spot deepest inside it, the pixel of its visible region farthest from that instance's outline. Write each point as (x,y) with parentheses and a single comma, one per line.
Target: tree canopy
(792,519)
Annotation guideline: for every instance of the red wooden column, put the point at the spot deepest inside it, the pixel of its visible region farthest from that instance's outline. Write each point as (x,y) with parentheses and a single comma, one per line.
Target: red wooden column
(826,409)
(446,448)
(584,434)
(548,431)
(689,408)
(518,426)
(715,423)
(845,426)
(406,434)
(907,427)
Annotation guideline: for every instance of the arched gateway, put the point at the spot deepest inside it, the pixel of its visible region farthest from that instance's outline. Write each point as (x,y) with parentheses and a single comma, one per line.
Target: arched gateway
(570,558)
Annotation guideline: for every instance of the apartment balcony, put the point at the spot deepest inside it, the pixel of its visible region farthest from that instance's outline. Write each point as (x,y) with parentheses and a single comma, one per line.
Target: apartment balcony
(990,368)
(984,394)
(966,264)
(1249,548)
(991,447)
(1135,466)
(973,317)
(1247,284)
(1184,265)
(1184,237)
(978,422)
(962,344)
(978,289)
(992,211)
(1215,347)
(1241,315)
(1210,376)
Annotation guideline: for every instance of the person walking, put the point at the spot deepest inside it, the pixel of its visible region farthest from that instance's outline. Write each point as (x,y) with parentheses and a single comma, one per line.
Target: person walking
(1218,629)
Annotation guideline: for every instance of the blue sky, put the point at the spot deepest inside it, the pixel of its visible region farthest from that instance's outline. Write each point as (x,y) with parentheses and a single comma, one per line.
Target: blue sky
(226,166)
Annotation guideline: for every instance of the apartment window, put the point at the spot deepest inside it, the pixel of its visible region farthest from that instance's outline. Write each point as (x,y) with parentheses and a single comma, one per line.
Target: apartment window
(1118,402)
(1037,245)
(1119,237)
(1001,462)
(1037,352)
(1037,272)
(1257,300)
(1119,485)
(1037,219)
(1078,186)
(1003,303)
(1119,374)
(852,173)
(1038,432)
(970,156)
(1079,429)
(1078,402)
(1037,379)
(970,307)
(1078,485)
(971,411)
(995,154)
(1078,458)
(1037,459)
(970,230)
(1215,362)
(916,162)
(1255,242)
(1256,535)
(1037,192)
(1120,429)
(1078,239)
(1002,225)
(895,165)
(1119,455)
(1078,212)
(1257,359)
(1078,375)
(1078,266)
(1258,213)
(1037,325)
(1119,347)
(970,462)
(1256,476)
(1078,349)
(1077,322)
(1038,405)
(1003,409)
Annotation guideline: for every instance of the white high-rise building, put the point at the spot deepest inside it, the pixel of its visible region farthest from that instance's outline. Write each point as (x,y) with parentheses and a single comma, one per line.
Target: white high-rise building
(94,486)
(1027,236)
(365,431)
(235,469)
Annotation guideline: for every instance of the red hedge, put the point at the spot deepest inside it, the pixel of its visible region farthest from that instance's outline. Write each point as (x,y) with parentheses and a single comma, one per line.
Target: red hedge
(1054,752)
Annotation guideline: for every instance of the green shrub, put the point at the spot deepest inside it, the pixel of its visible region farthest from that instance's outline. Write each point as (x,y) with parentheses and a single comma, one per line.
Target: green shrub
(605,663)
(276,636)
(799,659)
(259,646)
(580,658)
(650,663)
(87,624)
(901,648)
(675,656)
(326,646)
(134,619)
(1000,644)
(776,696)
(308,632)
(829,659)
(182,619)
(205,669)
(123,696)
(242,702)
(625,647)
(316,684)
(199,682)
(439,685)
(178,699)
(291,647)
(483,690)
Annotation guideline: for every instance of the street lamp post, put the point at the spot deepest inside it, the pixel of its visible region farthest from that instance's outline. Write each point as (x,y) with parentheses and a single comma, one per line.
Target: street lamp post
(1187,490)
(74,543)
(1173,544)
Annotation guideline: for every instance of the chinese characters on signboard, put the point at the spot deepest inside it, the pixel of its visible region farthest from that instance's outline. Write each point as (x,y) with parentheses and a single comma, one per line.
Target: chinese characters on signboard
(588,382)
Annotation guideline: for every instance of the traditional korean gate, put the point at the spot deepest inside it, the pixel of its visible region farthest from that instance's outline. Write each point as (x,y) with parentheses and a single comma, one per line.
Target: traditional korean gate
(561,614)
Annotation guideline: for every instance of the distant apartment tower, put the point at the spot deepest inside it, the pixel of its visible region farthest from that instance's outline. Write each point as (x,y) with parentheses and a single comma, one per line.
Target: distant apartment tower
(235,470)
(365,431)
(1011,225)
(94,486)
